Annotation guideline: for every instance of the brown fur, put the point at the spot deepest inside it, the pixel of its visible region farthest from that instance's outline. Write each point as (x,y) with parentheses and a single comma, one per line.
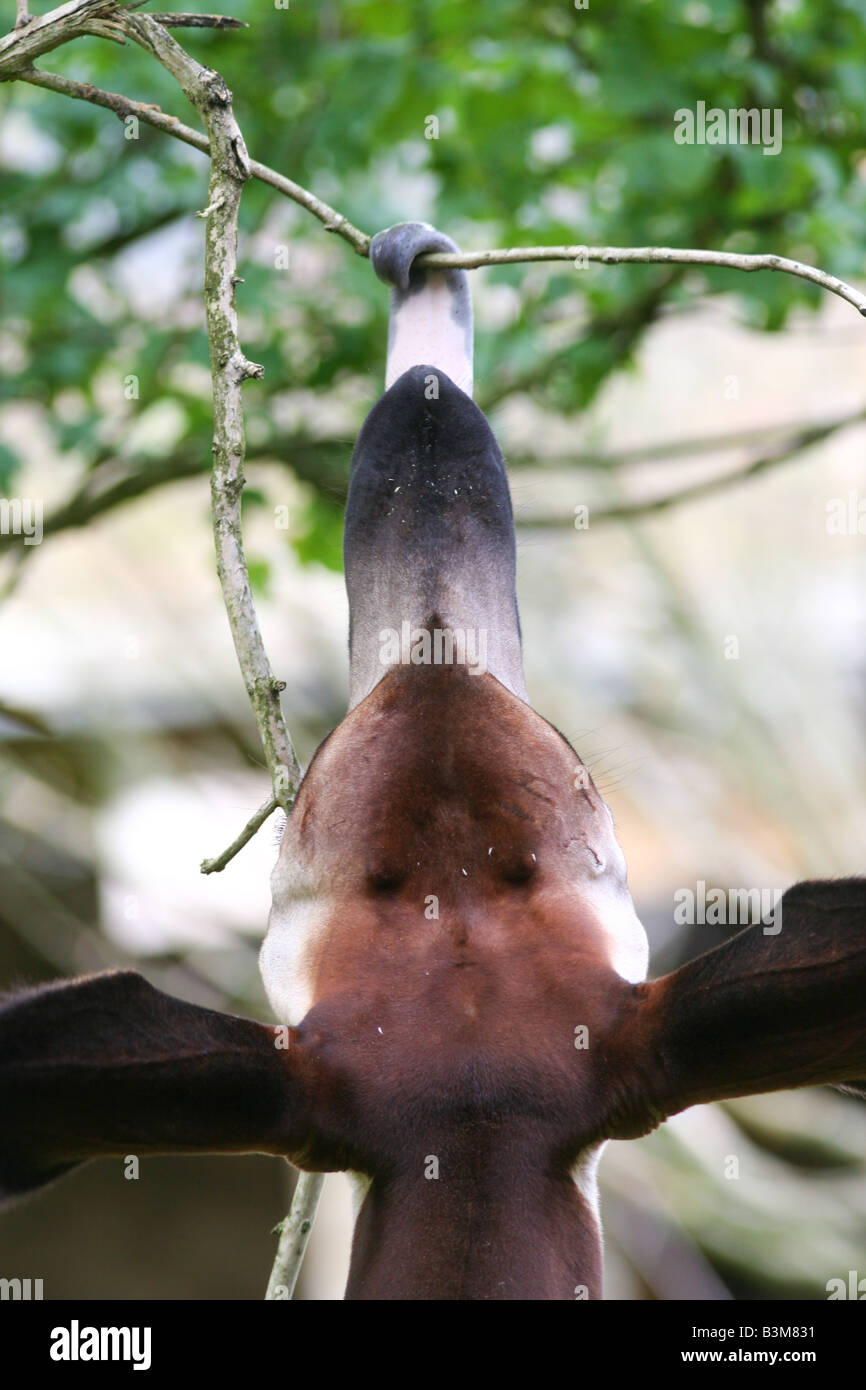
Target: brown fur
(454,1037)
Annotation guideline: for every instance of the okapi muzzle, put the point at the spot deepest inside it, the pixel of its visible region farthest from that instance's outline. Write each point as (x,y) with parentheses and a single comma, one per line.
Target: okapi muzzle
(452,956)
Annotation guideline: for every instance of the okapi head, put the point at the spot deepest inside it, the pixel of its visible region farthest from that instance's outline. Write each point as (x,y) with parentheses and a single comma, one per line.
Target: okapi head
(453,954)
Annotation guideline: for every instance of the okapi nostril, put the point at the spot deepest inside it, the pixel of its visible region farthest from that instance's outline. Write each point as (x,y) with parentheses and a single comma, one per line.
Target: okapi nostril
(384,880)
(520,870)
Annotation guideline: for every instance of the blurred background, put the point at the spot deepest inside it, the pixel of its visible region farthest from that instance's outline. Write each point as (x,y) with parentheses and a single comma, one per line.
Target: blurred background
(702,641)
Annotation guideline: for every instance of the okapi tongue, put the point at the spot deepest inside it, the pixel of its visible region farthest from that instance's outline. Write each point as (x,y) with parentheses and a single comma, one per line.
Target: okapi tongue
(430,316)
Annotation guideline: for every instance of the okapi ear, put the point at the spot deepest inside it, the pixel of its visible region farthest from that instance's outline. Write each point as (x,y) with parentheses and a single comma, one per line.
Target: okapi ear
(109,1065)
(777,1006)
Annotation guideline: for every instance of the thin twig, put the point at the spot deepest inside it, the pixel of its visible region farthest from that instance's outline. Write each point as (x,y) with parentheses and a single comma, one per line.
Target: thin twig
(294,1234)
(19,48)
(647,255)
(198,21)
(25,719)
(111,482)
(49,31)
(214,866)
(209,94)
(668,450)
(123,107)
(815,434)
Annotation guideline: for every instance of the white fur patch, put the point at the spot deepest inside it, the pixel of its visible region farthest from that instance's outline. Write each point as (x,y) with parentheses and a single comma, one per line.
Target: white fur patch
(627,940)
(283,960)
(583,1175)
(298,921)
(600,883)
(360,1184)
(423,330)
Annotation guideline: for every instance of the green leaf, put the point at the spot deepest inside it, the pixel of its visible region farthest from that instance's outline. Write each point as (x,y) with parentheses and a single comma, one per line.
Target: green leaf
(319,538)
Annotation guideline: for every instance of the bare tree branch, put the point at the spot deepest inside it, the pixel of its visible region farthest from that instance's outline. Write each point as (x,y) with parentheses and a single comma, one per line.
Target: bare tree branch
(646,255)
(25,719)
(208,92)
(124,106)
(19,48)
(294,1234)
(811,435)
(114,481)
(229,171)
(213,866)
(669,449)
(198,21)
(37,36)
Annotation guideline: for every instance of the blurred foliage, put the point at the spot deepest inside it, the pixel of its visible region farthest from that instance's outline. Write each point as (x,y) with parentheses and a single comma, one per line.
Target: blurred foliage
(555,125)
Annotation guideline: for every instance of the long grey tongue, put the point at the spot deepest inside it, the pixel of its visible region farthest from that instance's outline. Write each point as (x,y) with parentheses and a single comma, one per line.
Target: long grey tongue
(431,310)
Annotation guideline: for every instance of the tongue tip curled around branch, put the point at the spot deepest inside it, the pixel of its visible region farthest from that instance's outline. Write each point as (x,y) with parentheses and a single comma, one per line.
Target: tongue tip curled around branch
(393,250)
(431,310)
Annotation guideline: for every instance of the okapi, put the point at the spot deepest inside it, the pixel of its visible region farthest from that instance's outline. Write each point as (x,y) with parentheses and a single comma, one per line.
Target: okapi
(450,913)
